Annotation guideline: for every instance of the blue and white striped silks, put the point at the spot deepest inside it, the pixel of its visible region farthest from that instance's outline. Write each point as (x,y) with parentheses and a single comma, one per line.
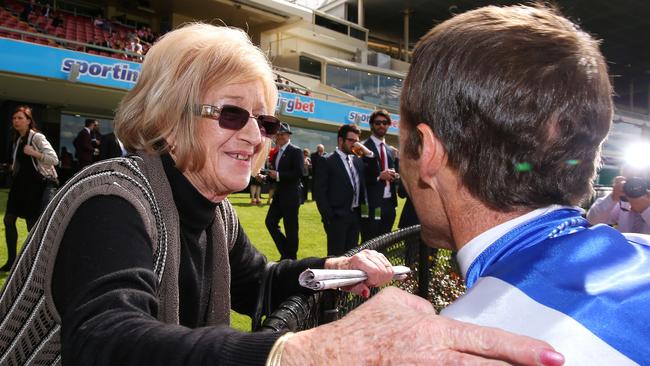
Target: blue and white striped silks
(585,290)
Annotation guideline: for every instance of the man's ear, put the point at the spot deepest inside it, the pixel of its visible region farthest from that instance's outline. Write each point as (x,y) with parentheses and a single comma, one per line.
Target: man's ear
(433,156)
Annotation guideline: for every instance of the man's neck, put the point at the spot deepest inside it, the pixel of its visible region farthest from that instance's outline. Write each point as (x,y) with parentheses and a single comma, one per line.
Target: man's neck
(476,219)
(468,217)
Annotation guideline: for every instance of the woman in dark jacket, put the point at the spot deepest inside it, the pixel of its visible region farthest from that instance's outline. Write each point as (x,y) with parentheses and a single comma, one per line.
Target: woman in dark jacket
(33,161)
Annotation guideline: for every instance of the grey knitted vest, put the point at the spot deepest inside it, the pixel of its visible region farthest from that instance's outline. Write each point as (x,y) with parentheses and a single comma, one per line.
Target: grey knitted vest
(30,324)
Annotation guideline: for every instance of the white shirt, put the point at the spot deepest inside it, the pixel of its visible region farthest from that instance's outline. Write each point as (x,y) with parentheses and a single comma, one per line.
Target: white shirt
(277,159)
(344,157)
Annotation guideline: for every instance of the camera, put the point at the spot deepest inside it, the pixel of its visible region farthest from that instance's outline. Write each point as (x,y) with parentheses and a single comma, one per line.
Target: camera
(636,187)
(264,171)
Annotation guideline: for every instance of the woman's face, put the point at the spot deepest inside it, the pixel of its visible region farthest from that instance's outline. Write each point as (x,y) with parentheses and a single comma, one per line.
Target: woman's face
(230,152)
(20,122)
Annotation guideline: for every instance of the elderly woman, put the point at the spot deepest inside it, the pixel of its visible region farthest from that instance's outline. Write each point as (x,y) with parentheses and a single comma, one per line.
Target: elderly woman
(140,259)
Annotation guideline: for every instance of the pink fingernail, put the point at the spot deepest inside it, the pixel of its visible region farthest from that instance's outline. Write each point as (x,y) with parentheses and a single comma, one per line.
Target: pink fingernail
(365,293)
(549,357)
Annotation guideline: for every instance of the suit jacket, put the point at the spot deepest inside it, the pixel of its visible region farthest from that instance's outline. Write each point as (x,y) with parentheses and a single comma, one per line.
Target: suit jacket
(315,160)
(109,147)
(333,190)
(373,169)
(83,147)
(288,189)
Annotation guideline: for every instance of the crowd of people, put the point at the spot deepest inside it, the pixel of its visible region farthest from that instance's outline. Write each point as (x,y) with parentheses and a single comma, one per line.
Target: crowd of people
(136,41)
(147,256)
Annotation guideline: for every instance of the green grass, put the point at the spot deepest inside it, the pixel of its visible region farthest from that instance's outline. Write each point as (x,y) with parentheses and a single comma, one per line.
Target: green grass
(312,236)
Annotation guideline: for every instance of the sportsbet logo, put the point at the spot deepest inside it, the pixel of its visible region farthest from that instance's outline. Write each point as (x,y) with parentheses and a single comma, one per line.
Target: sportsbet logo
(298,105)
(120,72)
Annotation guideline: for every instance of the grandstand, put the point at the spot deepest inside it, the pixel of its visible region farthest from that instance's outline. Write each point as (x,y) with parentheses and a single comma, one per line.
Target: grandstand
(76,59)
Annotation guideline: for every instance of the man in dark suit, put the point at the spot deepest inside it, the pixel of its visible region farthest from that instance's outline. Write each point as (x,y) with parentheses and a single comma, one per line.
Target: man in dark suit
(340,191)
(288,166)
(315,158)
(83,143)
(111,147)
(381,172)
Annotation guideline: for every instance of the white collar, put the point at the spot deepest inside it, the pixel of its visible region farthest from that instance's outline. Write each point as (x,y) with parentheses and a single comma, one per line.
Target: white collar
(343,155)
(377,141)
(285,145)
(468,253)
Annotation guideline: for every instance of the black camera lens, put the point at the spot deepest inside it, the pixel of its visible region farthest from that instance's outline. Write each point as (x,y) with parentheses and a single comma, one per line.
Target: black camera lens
(635,187)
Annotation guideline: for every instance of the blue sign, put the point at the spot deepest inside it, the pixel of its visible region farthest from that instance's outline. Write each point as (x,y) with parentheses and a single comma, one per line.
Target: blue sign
(33,59)
(56,63)
(307,107)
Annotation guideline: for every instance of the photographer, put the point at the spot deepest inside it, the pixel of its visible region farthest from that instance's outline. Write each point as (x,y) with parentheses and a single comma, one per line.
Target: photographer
(627,206)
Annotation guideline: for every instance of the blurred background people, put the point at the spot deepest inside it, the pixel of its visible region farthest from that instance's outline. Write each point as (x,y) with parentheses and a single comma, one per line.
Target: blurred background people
(286,172)
(627,207)
(86,142)
(306,174)
(381,173)
(34,176)
(340,192)
(315,160)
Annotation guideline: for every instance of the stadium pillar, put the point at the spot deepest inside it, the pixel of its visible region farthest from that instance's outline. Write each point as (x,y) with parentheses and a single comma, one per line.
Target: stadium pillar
(407,14)
(360,12)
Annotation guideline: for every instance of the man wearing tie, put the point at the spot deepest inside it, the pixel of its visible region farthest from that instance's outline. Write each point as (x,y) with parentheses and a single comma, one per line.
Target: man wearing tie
(288,166)
(340,191)
(380,173)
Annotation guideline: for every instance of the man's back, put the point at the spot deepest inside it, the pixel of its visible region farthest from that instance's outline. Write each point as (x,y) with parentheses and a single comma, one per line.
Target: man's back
(585,290)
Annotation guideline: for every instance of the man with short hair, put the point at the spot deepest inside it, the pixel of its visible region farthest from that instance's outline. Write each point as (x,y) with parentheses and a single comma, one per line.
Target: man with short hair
(339,191)
(287,172)
(84,144)
(381,172)
(503,113)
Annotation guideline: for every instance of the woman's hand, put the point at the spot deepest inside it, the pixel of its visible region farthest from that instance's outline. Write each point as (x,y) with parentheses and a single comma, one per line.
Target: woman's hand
(397,328)
(373,263)
(31,151)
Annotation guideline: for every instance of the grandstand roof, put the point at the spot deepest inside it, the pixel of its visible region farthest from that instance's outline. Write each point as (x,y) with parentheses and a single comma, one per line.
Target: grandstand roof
(622,26)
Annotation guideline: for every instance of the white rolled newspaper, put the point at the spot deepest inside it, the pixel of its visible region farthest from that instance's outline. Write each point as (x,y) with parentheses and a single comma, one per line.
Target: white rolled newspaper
(324,279)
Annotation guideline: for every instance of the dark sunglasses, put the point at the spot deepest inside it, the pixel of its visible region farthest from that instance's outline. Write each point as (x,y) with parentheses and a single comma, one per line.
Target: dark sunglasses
(235,118)
(381,122)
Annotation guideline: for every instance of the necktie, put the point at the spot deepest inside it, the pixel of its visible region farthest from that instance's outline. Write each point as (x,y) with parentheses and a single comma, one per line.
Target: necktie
(353,177)
(382,156)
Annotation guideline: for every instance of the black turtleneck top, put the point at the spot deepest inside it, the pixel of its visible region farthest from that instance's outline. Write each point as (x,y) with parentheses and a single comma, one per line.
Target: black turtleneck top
(105,289)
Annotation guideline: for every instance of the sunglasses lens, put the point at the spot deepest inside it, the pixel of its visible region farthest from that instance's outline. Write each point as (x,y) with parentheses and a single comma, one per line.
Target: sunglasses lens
(269,125)
(233,118)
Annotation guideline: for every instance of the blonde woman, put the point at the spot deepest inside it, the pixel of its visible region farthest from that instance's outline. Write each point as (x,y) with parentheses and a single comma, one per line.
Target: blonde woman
(147,256)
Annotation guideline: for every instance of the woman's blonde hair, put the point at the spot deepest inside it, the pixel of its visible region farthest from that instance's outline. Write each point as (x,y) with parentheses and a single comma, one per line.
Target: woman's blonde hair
(177,71)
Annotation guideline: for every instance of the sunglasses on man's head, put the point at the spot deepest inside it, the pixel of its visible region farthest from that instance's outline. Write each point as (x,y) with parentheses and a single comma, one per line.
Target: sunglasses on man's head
(235,118)
(381,122)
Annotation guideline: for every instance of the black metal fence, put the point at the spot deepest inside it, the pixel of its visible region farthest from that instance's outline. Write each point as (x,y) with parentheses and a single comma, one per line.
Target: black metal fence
(433,277)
